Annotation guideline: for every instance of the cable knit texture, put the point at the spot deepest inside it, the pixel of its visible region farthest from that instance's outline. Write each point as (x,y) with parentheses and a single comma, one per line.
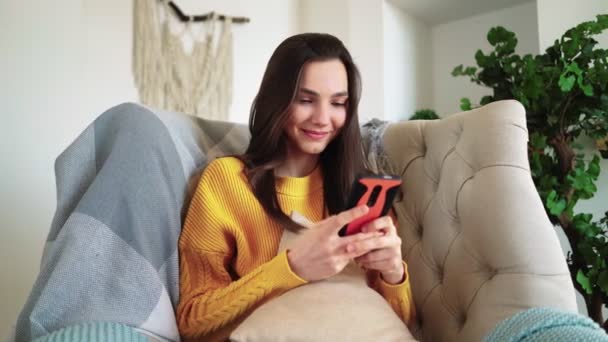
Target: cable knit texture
(228,251)
(545,324)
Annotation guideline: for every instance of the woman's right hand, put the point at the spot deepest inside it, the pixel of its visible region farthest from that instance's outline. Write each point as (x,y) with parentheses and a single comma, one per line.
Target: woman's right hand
(320,252)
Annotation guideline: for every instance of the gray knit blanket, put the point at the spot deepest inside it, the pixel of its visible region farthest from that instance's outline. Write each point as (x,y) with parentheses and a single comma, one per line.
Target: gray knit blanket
(122,190)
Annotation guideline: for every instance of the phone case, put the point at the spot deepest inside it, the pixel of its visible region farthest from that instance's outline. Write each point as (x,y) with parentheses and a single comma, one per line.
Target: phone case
(378,192)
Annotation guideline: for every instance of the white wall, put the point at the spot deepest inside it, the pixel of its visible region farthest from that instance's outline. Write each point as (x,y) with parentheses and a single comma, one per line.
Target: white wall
(390,48)
(407,64)
(366,43)
(64,62)
(358,23)
(325,16)
(42,79)
(456,42)
(554,18)
(557,16)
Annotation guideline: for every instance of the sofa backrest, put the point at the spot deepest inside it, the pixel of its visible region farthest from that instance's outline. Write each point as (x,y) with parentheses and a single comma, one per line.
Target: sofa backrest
(476,237)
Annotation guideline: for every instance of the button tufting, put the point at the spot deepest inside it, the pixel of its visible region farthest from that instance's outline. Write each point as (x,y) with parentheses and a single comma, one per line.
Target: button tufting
(440,274)
(490,272)
(462,319)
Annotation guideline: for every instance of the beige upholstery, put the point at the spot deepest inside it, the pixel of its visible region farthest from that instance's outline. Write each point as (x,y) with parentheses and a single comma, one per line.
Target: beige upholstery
(479,245)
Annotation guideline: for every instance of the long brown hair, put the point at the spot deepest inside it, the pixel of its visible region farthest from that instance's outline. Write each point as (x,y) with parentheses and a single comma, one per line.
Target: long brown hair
(343,157)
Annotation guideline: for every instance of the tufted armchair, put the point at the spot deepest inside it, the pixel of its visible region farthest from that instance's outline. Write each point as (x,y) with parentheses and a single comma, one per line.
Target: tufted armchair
(479,245)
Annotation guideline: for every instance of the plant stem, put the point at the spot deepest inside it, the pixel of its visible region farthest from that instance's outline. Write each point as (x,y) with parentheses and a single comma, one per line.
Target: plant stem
(595,310)
(565,154)
(562,116)
(593,301)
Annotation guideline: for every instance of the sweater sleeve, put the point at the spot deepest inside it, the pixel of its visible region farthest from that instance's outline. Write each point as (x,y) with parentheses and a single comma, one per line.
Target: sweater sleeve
(209,296)
(399,296)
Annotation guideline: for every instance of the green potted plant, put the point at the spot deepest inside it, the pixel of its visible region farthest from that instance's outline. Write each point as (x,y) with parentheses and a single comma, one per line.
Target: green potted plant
(565,93)
(425,114)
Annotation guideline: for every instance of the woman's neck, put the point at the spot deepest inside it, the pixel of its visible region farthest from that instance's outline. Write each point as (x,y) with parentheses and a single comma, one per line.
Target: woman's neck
(297,167)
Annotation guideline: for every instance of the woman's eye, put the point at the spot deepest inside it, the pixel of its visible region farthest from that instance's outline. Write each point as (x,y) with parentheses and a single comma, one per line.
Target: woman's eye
(339,104)
(305,101)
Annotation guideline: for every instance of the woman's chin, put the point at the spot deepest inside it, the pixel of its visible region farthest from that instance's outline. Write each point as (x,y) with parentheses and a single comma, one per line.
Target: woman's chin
(313,149)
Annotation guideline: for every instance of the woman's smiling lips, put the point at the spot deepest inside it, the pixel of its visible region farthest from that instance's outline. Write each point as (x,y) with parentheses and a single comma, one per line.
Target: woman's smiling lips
(316,135)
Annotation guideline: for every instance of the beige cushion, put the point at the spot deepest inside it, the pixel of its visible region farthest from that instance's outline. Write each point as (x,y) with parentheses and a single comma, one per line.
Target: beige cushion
(477,240)
(341,308)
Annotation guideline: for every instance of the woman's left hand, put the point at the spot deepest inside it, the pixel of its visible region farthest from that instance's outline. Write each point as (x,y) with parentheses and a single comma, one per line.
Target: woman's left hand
(385,256)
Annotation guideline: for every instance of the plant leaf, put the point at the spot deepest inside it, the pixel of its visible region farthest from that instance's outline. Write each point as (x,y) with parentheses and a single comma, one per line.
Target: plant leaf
(470,71)
(556,207)
(482,60)
(586,88)
(457,71)
(465,104)
(566,82)
(538,141)
(486,99)
(593,169)
(582,223)
(582,279)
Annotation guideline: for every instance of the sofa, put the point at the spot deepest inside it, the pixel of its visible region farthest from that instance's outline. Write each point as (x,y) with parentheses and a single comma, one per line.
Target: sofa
(476,238)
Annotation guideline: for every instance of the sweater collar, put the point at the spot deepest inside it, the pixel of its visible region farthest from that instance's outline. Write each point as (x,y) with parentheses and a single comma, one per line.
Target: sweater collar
(301,186)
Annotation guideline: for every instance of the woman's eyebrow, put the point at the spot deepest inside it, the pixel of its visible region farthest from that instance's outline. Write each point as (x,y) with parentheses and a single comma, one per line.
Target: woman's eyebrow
(314,93)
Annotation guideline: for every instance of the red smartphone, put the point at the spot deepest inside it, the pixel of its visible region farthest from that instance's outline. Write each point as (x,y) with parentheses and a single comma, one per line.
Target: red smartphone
(378,193)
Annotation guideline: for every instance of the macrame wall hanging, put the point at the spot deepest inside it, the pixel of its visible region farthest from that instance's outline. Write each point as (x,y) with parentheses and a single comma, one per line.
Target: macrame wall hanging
(167,76)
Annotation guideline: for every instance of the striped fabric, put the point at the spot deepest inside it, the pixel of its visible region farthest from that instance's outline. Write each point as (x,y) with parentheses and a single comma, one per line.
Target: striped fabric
(95,331)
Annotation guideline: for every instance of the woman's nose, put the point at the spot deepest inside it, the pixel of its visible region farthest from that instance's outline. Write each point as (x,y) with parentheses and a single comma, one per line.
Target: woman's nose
(321,115)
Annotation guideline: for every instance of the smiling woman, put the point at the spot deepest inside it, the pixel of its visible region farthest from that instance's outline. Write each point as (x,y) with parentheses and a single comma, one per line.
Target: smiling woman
(315,117)
(304,153)
(307,79)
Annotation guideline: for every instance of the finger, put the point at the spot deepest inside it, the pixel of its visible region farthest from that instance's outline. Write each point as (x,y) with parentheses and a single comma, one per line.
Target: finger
(368,245)
(355,238)
(379,265)
(384,223)
(386,265)
(379,255)
(349,246)
(336,222)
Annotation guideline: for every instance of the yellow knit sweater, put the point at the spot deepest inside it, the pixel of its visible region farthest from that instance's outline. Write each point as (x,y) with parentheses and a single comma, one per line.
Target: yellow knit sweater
(228,251)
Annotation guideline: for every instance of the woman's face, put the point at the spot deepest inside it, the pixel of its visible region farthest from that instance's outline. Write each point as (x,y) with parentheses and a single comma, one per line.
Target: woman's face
(319,108)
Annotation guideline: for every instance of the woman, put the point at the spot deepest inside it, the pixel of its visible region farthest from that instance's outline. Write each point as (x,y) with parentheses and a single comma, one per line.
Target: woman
(304,153)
